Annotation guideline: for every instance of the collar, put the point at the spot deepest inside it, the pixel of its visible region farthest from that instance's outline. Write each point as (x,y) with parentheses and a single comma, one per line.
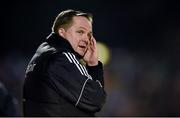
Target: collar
(60,43)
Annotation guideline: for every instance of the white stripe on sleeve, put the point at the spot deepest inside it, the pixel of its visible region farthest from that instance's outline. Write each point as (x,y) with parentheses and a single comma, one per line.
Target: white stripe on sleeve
(75,63)
(81,92)
(67,57)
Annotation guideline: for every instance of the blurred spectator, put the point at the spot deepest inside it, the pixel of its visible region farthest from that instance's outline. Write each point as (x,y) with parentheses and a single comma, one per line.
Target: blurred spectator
(8,104)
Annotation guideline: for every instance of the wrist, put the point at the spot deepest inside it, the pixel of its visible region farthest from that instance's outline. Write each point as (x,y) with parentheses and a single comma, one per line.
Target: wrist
(95,63)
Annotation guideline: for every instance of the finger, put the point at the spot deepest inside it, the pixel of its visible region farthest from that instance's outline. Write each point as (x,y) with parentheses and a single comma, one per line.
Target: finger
(94,42)
(91,40)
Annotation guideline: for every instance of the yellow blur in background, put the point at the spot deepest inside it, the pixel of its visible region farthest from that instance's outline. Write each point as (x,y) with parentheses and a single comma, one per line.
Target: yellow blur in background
(104,53)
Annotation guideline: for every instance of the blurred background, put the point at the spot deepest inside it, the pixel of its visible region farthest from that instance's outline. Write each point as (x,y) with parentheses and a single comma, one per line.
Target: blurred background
(139,41)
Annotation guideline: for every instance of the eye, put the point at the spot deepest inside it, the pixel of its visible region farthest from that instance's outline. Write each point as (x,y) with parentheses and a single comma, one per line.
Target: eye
(80,31)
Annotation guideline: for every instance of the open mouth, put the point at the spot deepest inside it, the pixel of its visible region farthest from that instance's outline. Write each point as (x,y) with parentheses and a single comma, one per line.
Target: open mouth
(82,46)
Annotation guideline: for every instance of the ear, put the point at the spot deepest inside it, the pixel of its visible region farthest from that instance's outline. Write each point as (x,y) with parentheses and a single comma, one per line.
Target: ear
(61,32)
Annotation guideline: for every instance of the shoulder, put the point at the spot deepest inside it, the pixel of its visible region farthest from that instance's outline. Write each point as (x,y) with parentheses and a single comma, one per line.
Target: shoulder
(64,57)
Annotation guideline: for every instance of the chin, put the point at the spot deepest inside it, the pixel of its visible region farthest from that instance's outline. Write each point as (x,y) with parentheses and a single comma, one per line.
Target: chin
(81,53)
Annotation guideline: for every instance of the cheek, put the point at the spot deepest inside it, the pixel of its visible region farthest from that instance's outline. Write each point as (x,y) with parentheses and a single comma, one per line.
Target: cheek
(75,43)
(74,40)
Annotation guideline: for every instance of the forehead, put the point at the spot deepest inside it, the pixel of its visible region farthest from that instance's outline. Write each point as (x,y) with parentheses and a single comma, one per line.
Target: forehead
(81,21)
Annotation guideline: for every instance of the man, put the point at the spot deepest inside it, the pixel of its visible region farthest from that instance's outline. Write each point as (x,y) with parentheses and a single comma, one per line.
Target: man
(64,77)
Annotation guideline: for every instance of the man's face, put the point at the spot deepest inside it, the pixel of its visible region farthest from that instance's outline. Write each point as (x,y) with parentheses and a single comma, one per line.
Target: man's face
(79,34)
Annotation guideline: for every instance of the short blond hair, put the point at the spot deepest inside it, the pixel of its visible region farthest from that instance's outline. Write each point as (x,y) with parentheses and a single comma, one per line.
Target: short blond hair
(64,19)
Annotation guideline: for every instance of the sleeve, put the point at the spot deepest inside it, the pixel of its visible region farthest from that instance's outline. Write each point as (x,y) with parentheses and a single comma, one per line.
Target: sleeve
(83,92)
(97,73)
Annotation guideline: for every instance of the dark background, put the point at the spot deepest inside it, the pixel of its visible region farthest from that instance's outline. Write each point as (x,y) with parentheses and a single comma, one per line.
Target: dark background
(148,25)
(143,74)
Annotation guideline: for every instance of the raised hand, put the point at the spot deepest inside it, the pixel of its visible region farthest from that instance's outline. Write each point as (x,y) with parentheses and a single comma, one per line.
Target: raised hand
(91,55)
